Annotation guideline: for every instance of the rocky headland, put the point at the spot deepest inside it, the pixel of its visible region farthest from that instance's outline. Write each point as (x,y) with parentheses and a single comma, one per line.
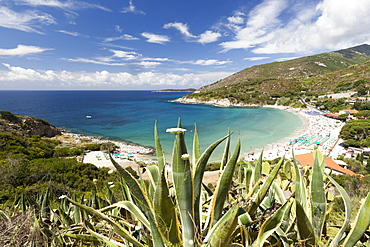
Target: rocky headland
(26,126)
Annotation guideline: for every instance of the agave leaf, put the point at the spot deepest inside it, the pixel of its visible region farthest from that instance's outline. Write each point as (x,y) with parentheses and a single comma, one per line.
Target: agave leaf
(300,187)
(266,168)
(265,187)
(223,186)
(158,148)
(23,203)
(67,221)
(45,209)
(165,212)
(108,241)
(347,206)
(154,175)
(270,226)
(110,196)
(318,198)
(361,224)
(304,225)
(141,200)
(225,156)
(116,227)
(198,177)
(222,230)
(4,216)
(245,219)
(248,178)
(130,206)
(81,237)
(279,193)
(125,190)
(183,184)
(196,146)
(258,168)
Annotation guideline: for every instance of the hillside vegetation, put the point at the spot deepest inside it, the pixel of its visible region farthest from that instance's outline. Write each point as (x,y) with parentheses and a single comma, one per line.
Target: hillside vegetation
(312,75)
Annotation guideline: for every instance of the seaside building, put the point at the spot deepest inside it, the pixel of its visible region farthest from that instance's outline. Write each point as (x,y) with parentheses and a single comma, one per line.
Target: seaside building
(330,165)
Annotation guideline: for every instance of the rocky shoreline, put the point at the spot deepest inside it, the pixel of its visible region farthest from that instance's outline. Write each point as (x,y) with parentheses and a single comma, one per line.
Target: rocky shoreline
(215,102)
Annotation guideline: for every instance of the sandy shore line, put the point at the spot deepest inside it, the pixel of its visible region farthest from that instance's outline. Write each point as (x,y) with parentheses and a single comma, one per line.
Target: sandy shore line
(317,131)
(125,147)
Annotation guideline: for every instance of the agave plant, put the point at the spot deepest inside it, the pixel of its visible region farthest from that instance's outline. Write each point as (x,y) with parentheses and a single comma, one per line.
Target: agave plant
(253,204)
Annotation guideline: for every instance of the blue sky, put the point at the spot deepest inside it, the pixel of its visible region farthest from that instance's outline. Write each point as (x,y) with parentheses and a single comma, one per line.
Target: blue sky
(142,44)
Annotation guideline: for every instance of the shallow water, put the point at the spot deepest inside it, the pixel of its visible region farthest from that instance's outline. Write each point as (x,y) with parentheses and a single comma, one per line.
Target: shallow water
(130,116)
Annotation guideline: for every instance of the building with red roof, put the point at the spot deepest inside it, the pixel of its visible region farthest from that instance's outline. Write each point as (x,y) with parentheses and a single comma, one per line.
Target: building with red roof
(308,159)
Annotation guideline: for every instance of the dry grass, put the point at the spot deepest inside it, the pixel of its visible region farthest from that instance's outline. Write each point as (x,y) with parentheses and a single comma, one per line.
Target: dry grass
(20,230)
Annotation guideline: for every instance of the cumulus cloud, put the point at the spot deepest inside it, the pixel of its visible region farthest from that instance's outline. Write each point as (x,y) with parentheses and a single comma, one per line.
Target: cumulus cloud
(155,38)
(26,21)
(311,26)
(62,79)
(209,37)
(132,9)
(22,50)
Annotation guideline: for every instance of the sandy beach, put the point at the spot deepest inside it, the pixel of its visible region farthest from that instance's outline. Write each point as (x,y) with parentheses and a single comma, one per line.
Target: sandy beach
(317,131)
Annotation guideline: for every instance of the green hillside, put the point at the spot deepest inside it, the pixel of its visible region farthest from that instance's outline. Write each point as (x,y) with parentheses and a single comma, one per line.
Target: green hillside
(313,75)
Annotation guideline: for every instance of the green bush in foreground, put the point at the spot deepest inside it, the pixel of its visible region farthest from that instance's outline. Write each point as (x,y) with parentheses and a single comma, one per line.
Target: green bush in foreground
(253,204)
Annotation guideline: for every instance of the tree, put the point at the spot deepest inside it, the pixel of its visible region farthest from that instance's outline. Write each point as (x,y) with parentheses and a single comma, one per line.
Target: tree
(362,90)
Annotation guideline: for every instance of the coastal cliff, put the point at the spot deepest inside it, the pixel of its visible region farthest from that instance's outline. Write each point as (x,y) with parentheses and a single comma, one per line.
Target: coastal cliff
(26,126)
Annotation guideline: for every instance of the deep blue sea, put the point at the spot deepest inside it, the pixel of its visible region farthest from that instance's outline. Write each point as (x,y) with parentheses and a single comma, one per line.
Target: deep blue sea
(130,116)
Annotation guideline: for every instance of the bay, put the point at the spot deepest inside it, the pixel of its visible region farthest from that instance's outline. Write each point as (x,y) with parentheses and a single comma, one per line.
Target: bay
(130,115)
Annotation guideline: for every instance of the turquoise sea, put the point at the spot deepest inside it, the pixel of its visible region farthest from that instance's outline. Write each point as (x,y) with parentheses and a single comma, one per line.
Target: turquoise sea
(130,116)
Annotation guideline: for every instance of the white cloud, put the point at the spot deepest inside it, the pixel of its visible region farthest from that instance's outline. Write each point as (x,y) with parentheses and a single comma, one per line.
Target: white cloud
(25,21)
(122,37)
(63,79)
(183,28)
(206,37)
(255,58)
(101,61)
(75,34)
(207,62)
(311,26)
(22,50)
(65,5)
(132,9)
(147,64)
(118,29)
(159,59)
(261,19)
(128,55)
(209,37)
(155,38)
(237,19)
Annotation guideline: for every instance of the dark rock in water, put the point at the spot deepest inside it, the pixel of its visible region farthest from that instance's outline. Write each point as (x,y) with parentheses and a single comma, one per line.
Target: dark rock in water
(26,126)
